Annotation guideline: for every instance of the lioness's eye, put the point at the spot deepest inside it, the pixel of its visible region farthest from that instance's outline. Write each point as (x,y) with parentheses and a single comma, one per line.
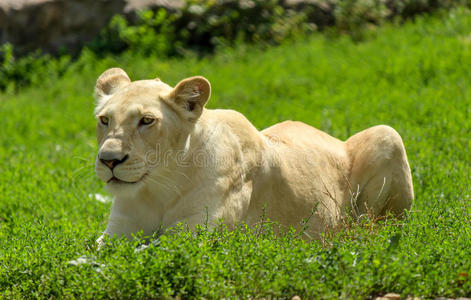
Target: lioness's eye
(104,120)
(146,120)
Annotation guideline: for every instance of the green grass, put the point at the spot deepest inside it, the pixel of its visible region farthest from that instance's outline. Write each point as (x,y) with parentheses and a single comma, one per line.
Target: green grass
(415,77)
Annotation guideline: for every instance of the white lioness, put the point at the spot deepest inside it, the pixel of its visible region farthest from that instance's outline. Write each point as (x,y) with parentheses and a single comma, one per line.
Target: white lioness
(167,159)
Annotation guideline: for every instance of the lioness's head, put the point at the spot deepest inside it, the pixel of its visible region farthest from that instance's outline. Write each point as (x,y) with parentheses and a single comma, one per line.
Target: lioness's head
(135,119)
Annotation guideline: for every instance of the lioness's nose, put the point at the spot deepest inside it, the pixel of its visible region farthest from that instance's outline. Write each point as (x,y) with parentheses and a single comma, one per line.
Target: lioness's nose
(113,162)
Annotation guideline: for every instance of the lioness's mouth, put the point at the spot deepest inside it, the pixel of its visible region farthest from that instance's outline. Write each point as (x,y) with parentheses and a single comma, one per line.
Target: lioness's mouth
(117,180)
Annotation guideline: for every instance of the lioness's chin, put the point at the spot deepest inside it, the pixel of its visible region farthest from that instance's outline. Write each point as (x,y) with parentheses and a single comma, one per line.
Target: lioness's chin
(123,189)
(115,185)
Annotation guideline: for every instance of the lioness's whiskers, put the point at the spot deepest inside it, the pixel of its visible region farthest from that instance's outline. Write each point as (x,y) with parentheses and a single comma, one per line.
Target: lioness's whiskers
(183,174)
(164,184)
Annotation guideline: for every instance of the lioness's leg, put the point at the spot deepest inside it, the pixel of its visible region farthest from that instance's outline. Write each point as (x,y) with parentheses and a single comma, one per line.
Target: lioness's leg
(380,176)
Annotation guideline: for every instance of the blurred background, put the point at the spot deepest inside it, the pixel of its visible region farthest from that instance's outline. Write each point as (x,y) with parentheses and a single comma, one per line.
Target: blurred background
(31,29)
(338,65)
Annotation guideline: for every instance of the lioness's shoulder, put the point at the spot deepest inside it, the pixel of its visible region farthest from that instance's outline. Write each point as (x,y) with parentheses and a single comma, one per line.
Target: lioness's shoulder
(224,115)
(297,133)
(236,123)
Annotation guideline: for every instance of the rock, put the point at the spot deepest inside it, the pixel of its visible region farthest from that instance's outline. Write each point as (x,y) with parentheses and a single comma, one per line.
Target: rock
(57,25)
(324,4)
(319,12)
(392,296)
(54,25)
(170,5)
(389,296)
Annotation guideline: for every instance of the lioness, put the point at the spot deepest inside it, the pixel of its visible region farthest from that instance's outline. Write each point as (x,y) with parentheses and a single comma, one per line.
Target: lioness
(167,159)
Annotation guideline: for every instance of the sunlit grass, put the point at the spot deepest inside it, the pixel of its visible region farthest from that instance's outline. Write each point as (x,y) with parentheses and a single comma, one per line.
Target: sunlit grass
(415,78)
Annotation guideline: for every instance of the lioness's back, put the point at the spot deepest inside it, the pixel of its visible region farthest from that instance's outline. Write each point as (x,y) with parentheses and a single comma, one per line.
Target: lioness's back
(299,134)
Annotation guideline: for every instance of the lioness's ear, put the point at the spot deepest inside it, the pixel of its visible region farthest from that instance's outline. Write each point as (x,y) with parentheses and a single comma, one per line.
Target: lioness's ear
(109,82)
(190,95)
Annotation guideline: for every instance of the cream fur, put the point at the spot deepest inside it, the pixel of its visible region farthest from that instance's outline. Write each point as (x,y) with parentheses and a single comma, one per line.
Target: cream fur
(194,163)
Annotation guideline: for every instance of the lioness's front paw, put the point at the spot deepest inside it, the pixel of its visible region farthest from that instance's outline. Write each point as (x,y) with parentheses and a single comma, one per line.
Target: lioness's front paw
(101,241)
